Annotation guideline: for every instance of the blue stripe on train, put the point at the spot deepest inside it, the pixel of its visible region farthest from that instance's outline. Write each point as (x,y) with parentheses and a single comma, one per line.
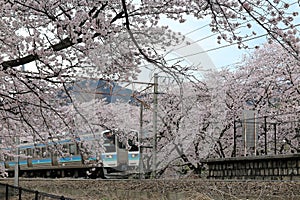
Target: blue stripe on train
(65,160)
(46,161)
(70,159)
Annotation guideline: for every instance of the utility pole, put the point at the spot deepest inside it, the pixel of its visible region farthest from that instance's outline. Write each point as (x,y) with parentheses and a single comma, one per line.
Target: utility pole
(141,164)
(17,141)
(155,125)
(16,177)
(234,138)
(265,129)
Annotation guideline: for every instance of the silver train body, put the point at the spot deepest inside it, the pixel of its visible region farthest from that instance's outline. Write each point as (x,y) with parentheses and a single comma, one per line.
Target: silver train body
(92,155)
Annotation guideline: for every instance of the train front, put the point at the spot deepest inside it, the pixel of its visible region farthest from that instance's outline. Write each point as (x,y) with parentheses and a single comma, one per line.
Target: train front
(121,157)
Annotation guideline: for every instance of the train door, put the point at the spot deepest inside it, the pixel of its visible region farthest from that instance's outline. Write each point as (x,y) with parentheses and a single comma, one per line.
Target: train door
(109,157)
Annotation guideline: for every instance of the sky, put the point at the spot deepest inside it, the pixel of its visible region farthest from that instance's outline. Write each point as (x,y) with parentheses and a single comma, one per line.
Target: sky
(205,54)
(222,55)
(198,30)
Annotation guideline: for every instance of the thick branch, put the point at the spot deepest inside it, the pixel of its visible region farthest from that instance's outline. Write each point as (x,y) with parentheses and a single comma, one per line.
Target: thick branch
(27,59)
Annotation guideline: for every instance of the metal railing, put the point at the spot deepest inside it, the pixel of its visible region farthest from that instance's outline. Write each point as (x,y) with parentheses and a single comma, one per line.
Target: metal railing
(266,138)
(9,192)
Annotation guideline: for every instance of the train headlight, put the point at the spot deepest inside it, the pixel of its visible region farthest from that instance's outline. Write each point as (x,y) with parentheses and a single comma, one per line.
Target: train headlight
(134,155)
(108,156)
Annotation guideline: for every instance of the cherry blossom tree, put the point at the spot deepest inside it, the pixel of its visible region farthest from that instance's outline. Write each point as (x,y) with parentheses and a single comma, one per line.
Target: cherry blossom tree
(198,123)
(110,39)
(267,83)
(178,125)
(277,92)
(64,37)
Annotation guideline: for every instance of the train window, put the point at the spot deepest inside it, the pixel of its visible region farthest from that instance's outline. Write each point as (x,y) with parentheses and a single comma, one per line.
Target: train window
(109,138)
(8,158)
(72,149)
(37,152)
(44,152)
(133,145)
(65,148)
(22,152)
(109,149)
(28,152)
(109,142)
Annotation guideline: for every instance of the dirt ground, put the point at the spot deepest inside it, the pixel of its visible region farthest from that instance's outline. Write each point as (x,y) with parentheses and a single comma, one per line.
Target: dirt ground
(175,189)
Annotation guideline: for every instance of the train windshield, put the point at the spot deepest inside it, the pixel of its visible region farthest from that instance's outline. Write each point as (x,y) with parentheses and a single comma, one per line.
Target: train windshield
(109,142)
(133,143)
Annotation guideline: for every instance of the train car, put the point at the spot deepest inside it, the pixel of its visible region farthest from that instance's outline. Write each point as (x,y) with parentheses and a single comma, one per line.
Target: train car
(95,155)
(120,158)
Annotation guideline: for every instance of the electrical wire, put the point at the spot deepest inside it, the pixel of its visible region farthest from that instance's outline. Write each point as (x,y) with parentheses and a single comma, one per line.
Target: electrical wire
(221,47)
(197,29)
(216,48)
(199,40)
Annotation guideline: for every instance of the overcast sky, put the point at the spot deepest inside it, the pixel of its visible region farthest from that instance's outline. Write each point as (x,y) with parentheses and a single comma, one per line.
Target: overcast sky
(198,30)
(222,56)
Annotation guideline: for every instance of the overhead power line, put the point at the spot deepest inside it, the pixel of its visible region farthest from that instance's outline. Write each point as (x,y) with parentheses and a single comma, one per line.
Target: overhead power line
(197,29)
(216,48)
(221,47)
(199,40)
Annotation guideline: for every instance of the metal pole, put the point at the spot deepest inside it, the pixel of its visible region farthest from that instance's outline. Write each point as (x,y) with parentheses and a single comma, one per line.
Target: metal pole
(155,125)
(6,192)
(265,127)
(16,177)
(234,138)
(20,193)
(141,164)
(255,134)
(245,137)
(36,195)
(275,138)
(17,140)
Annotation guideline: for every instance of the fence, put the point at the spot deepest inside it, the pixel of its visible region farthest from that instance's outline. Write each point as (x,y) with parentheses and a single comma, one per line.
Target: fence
(9,192)
(262,136)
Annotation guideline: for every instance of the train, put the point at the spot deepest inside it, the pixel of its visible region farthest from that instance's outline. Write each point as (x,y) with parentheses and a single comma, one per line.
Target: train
(97,155)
